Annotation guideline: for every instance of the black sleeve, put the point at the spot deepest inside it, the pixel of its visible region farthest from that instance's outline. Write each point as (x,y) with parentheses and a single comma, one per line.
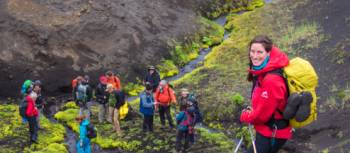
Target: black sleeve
(120,99)
(74,94)
(89,93)
(158,77)
(98,93)
(145,78)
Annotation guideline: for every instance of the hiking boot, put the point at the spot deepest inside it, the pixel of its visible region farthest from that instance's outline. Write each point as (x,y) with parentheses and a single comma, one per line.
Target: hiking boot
(292,106)
(304,110)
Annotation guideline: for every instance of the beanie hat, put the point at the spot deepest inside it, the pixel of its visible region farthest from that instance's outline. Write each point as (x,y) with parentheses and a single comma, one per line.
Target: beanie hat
(103,79)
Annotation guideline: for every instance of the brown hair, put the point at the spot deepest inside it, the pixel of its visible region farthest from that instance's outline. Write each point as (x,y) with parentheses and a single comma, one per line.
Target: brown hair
(266,42)
(80,118)
(263,40)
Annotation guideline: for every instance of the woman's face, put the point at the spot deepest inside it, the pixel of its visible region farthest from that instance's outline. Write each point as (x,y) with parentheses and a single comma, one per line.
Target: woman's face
(257,54)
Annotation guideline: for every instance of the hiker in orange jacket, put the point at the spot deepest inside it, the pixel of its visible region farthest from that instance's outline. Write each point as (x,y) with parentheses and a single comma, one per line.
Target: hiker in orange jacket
(114,80)
(164,97)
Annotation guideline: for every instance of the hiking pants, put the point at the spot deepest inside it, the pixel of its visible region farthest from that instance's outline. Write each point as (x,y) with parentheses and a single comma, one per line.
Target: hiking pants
(147,122)
(33,128)
(85,148)
(85,106)
(102,112)
(113,115)
(165,110)
(179,137)
(40,113)
(264,144)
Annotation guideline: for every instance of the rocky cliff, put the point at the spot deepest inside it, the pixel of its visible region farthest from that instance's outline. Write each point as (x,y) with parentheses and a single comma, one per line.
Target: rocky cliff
(57,40)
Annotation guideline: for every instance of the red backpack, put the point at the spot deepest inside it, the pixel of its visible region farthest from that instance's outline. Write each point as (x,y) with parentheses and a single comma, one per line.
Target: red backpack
(186,123)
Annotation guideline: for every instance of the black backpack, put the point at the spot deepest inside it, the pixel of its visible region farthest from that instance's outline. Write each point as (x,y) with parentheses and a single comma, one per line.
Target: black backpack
(23,107)
(91,131)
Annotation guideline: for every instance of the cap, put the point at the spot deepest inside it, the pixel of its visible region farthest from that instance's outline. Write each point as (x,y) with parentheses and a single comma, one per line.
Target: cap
(151,68)
(37,82)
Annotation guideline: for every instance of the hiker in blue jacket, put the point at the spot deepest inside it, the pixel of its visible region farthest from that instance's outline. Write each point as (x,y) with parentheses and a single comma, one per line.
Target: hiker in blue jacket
(83,145)
(147,107)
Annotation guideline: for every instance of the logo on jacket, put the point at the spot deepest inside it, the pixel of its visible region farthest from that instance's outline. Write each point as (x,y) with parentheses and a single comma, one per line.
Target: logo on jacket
(264,94)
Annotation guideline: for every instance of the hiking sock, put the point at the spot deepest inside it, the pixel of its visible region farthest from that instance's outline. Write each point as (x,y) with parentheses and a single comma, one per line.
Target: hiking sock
(304,109)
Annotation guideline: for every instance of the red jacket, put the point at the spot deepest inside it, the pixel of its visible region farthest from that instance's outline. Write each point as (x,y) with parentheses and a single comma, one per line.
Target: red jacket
(165,97)
(269,94)
(31,109)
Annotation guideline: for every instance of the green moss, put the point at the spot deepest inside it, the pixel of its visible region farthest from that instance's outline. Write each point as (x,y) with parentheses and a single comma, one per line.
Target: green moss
(14,134)
(208,34)
(237,99)
(70,104)
(53,148)
(220,139)
(167,68)
(68,116)
(219,8)
(133,89)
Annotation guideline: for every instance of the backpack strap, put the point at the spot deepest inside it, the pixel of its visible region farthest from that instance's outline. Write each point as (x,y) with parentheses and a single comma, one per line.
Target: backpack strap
(280,123)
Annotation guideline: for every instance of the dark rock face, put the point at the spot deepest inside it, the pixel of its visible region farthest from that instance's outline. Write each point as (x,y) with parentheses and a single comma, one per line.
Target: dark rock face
(56,40)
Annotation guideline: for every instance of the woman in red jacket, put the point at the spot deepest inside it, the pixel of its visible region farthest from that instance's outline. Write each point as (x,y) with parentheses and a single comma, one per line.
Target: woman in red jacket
(31,114)
(269,96)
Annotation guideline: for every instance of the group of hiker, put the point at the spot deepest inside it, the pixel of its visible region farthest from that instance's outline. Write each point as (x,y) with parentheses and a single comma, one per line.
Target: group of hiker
(276,107)
(158,96)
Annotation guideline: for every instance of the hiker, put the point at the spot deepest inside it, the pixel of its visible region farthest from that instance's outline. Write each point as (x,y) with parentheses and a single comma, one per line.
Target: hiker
(83,95)
(101,98)
(185,127)
(83,144)
(75,82)
(116,99)
(31,114)
(152,77)
(190,100)
(26,87)
(39,101)
(113,79)
(25,90)
(269,96)
(164,97)
(147,107)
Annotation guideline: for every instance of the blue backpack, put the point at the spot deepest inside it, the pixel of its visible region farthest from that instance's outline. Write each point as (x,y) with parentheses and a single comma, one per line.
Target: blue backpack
(147,101)
(82,92)
(23,107)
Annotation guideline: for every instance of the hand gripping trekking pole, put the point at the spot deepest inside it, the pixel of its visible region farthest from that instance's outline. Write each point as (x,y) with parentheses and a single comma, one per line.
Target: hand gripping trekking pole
(252,137)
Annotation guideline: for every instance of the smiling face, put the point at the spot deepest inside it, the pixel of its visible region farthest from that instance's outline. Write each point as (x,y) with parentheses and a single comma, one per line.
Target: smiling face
(257,54)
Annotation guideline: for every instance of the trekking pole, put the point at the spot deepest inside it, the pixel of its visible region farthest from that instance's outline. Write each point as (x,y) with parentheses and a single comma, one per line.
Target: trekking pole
(252,137)
(239,144)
